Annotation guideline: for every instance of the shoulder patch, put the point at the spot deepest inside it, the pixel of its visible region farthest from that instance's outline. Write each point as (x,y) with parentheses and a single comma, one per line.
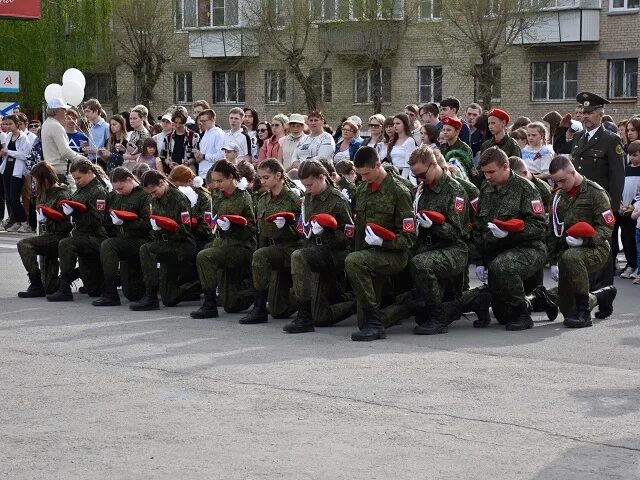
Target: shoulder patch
(619,149)
(458,203)
(609,219)
(349,230)
(537,207)
(100,205)
(408,225)
(474,204)
(185,217)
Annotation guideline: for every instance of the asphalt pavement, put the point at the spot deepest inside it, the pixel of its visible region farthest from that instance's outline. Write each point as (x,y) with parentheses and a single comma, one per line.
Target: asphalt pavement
(106,393)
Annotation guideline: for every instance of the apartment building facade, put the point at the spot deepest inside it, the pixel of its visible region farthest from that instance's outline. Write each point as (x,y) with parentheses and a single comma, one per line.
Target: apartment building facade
(577,45)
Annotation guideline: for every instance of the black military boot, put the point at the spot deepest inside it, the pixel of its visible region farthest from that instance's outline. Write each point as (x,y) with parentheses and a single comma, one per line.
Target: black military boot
(209,308)
(605,297)
(435,322)
(480,306)
(373,328)
(540,300)
(258,314)
(582,317)
(36,288)
(303,322)
(148,302)
(521,319)
(63,294)
(110,296)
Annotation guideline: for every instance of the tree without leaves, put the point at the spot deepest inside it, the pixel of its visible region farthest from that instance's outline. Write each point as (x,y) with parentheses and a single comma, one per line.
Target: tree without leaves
(485,29)
(145,41)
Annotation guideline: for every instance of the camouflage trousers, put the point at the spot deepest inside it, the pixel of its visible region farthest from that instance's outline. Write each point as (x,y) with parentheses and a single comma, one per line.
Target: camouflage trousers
(433,269)
(121,256)
(85,250)
(45,246)
(508,273)
(271,267)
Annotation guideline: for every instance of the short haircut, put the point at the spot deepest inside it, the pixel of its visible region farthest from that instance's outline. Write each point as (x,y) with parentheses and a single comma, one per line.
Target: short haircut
(178,114)
(236,111)
(634,147)
(352,124)
(519,134)
(517,165)
(343,167)
(494,155)
(431,108)
(366,157)
(281,118)
(422,154)
(475,106)
(451,102)
(316,114)
(560,162)
(200,103)
(412,108)
(209,113)
(93,104)
(521,122)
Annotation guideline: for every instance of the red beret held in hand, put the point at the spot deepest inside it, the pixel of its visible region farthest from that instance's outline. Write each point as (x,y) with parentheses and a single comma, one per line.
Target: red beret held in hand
(513,225)
(325,220)
(80,207)
(51,213)
(286,215)
(382,232)
(581,230)
(236,219)
(435,217)
(125,215)
(166,223)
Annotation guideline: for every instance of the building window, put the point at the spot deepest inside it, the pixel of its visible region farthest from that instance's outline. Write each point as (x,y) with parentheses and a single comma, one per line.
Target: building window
(323,84)
(429,84)
(275,86)
(623,78)
(429,9)
(327,10)
(228,87)
(98,85)
(365,85)
(208,13)
(554,81)
(496,84)
(621,5)
(182,87)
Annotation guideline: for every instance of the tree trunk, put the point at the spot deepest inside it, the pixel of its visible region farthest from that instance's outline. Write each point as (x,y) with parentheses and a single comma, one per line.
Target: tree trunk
(485,82)
(376,87)
(308,87)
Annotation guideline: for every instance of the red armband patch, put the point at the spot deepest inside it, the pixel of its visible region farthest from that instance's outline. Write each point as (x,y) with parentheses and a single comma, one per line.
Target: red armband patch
(349,230)
(537,207)
(459,204)
(185,217)
(609,219)
(100,205)
(474,204)
(408,225)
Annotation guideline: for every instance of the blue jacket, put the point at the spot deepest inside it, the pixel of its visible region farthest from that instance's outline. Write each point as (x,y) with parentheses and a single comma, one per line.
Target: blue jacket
(353,147)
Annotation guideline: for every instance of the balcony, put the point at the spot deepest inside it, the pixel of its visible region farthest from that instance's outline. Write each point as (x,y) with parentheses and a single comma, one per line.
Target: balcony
(355,36)
(571,22)
(222,43)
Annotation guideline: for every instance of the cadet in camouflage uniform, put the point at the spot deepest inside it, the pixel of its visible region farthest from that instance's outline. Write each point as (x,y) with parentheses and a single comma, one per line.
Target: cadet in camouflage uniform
(318,268)
(517,165)
(509,257)
(277,239)
(50,193)
(229,256)
(121,254)
(578,199)
(88,232)
(440,253)
(383,200)
(174,247)
(498,121)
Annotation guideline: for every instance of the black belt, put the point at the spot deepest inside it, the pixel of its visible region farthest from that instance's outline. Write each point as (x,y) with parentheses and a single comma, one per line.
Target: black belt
(320,241)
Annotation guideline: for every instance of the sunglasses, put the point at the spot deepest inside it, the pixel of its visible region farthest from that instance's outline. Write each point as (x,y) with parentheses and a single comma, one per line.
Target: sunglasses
(34,125)
(371,125)
(262,130)
(422,176)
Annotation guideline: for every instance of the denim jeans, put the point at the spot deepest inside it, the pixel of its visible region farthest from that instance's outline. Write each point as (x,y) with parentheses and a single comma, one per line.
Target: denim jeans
(638,249)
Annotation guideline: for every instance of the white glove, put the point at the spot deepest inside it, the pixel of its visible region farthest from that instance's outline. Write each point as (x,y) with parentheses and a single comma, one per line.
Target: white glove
(496,231)
(555,273)
(154,225)
(481,273)
(40,217)
(67,209)
(224,224)
(574,241)
(280,222)
(345,192)
(115,219)
(316,228)
(371,238)
(424,221)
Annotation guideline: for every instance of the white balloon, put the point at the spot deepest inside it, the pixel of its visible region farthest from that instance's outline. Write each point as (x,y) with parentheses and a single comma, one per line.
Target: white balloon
(52,91)
(72,92)
(74,74)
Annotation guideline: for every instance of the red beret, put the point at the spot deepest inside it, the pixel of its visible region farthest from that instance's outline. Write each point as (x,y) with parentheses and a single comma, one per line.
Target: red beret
(501,114)
(125,215)
(452,122)
(434,216)
(51,213)
(236,219)
(166,223)
(326,220)
(382,232)
(286,215)
(80,207)
(512,225)
(582,230)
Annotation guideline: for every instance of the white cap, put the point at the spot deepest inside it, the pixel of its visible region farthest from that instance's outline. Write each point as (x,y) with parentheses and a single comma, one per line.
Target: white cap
(57,103)
(296,118)
(231,147)
(576,126)
(166,116)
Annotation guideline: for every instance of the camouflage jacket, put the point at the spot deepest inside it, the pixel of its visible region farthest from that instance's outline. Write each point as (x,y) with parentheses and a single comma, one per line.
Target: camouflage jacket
(333,202)
(268,232)
(95,197)
(174,205)
(138,202)
(239,202)
(51,198)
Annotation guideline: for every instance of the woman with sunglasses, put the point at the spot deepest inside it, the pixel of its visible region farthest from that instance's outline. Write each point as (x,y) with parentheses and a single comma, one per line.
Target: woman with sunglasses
(267,142)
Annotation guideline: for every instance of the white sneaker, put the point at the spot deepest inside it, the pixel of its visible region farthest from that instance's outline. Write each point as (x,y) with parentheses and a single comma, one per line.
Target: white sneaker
(4,224)
(14,228)
(25,228)
(627,273)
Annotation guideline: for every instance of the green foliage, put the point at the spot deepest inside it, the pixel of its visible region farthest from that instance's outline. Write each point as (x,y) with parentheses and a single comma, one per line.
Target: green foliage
(70,33)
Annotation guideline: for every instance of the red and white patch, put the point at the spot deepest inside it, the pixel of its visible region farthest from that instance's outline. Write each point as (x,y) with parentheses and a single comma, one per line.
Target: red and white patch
(408,225)
(186,218)
(349,230)
(459,204)
(609,219)
(207,218)
(474,204)
(101,205)
(537,207)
